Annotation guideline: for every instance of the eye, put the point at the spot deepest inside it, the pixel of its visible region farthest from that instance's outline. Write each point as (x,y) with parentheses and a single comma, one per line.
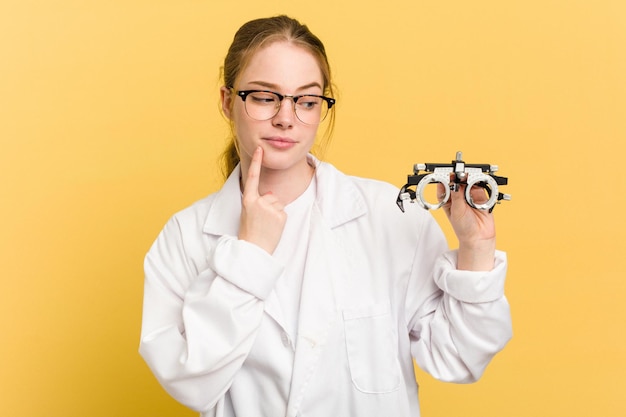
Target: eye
(308,102)
(263,98)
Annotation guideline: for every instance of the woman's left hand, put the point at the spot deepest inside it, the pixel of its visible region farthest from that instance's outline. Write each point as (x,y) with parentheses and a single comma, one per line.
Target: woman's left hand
(475,229)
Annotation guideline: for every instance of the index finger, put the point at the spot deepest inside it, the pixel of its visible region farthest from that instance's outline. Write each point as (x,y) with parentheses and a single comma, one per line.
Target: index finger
(251,186)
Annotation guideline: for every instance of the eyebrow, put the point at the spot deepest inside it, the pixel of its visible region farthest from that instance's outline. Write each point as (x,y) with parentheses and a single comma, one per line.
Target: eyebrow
(276,87)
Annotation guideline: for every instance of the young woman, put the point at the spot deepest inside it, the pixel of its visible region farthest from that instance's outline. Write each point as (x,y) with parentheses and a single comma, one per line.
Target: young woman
(297,290)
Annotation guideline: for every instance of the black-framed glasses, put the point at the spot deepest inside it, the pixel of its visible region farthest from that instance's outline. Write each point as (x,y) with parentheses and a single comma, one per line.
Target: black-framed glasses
(261,105)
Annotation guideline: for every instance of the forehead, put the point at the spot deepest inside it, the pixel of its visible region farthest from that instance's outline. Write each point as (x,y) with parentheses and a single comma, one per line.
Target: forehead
(283,64)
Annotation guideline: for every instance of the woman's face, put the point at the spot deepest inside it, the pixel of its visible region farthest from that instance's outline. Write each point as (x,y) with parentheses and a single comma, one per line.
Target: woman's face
(286,69)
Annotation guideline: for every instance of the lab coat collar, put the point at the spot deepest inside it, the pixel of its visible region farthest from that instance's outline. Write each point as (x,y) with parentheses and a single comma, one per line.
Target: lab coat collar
(338,199)
(223,216)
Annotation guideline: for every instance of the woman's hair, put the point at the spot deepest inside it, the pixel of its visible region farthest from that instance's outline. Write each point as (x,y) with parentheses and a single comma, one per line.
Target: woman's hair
(255,35)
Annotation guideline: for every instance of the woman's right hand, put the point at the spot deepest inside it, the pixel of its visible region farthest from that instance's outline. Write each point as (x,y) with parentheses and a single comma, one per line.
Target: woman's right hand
(263,217)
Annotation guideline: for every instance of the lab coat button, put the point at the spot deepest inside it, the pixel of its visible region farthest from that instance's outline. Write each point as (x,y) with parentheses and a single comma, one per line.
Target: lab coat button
(285,339)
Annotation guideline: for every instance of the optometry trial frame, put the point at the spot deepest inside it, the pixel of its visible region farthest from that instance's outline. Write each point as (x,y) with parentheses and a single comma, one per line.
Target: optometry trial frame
(451,176)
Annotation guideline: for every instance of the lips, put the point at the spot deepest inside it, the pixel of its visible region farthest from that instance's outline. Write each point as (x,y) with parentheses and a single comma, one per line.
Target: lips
(279,139)
(280,142)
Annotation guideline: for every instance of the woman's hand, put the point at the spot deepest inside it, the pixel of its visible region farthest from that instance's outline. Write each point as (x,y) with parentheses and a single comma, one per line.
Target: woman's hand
(475,229)
(262,216)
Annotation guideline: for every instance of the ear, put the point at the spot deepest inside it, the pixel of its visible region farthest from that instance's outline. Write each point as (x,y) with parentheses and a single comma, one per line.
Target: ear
(226,97)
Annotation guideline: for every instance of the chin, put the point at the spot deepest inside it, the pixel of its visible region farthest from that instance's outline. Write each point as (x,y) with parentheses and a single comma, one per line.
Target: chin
(282,161)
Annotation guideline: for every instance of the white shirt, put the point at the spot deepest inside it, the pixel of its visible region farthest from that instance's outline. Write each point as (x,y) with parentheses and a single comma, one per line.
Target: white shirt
(379,288)
(291,253)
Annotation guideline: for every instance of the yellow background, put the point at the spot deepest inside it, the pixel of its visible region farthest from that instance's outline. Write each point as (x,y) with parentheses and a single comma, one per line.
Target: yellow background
(109,124)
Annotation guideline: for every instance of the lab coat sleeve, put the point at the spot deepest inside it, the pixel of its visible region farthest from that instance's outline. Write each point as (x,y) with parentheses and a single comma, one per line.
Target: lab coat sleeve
(462,318)
(199,326)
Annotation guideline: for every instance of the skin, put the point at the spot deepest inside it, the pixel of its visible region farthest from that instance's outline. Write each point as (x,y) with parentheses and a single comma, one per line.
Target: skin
(274,158)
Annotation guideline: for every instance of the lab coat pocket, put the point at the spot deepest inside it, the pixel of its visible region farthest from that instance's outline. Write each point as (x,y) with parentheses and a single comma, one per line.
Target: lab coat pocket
(370,348)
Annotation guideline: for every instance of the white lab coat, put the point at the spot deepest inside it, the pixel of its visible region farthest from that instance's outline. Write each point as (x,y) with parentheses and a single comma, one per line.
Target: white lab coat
(379,289)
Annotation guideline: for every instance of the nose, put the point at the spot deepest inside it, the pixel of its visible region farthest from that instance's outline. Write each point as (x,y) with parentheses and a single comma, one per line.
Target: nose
(286,113)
